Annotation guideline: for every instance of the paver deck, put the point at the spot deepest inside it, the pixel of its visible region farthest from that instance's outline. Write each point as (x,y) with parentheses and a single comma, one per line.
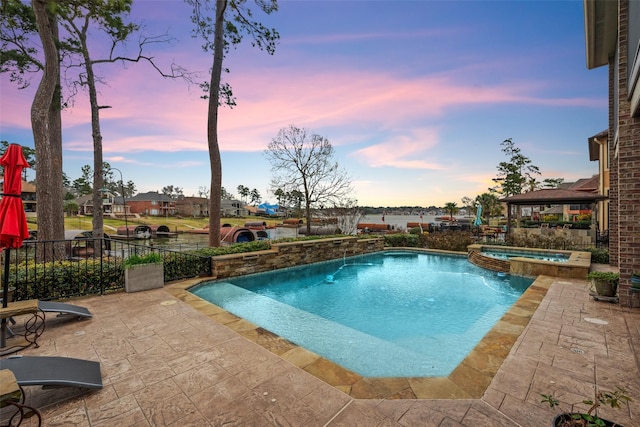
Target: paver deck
(169,360)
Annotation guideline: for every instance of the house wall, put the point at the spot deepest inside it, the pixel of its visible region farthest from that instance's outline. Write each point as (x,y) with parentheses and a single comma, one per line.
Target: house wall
(147,207)
(625,155)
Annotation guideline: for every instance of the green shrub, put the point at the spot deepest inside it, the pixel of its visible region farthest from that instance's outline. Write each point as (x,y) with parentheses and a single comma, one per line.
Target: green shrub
(403,240)
(178,267)
(449,241)
(604,276)
(598,255)
(256,245)
(65,279)
(136,259)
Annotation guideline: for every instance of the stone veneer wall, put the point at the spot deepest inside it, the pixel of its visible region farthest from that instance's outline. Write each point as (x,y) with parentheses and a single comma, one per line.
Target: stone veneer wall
(494,264)
(579,236)
(291,254)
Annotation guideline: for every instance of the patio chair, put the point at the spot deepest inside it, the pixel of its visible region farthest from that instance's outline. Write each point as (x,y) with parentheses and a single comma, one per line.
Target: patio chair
(12,394)
(63,310)
(54,371)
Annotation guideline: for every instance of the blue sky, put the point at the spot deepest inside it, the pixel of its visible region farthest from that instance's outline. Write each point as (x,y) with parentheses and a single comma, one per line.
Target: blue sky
(415,97)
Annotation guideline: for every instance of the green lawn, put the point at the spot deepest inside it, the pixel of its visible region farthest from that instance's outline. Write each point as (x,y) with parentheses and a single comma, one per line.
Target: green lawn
(174,224)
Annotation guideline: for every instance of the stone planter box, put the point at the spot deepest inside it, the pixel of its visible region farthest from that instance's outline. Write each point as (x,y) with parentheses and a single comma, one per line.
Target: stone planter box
(142,277)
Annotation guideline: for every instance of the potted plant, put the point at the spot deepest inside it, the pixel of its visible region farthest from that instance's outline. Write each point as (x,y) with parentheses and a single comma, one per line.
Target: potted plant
(143,272)
(635,279)
(614,399)
(605,282)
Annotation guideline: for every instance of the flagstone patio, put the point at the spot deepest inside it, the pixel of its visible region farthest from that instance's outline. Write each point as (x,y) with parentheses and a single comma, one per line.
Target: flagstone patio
(168,360)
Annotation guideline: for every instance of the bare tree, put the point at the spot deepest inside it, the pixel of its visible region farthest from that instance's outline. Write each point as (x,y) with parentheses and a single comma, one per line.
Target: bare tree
(233,18)
(78,18)
(203,191)
(173,192)
(304,162)
(347,215)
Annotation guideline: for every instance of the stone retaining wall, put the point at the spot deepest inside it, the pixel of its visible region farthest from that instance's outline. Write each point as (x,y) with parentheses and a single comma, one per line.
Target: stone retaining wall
(579,236)
(291,254)
(494,264)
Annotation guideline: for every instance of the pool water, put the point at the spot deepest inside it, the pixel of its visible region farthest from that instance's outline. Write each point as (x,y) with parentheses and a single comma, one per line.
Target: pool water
(554,257)
(391,314)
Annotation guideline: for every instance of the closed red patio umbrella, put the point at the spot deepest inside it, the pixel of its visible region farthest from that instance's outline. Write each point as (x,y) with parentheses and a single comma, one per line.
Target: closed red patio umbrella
(13,221)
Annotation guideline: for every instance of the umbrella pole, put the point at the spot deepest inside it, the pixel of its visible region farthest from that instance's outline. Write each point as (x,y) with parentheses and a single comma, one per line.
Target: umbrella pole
(5,299)
(5,279)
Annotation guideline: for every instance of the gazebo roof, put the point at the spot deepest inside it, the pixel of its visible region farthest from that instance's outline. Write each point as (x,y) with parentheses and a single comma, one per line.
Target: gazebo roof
(552,196)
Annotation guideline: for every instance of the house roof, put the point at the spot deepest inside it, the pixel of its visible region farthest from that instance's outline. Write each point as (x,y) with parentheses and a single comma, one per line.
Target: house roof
(594,144)
(27,187)
(553,210)
(192,199)
(553,196)
(87,199)
(600,30)
(586,184)
(151,196)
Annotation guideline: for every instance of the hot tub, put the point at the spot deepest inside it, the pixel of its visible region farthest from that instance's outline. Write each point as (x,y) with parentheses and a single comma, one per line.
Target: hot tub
(531,261)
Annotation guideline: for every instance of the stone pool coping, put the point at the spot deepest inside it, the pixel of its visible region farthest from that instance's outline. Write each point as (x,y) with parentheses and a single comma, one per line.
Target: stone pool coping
(467,381)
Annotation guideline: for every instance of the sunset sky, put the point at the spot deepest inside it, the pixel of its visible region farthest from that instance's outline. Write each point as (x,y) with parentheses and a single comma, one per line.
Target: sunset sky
(415,96)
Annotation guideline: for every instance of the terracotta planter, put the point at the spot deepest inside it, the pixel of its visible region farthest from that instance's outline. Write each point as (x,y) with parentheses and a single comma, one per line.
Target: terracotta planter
(565,420)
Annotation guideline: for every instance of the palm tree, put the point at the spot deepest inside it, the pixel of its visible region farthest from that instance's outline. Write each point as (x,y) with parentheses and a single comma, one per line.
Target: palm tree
(451,208)
(491,206)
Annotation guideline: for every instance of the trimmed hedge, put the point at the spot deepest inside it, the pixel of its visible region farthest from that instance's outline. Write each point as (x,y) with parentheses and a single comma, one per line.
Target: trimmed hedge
(65,279)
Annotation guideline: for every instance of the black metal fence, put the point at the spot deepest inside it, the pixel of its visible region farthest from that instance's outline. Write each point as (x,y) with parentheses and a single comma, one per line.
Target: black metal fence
(62,269)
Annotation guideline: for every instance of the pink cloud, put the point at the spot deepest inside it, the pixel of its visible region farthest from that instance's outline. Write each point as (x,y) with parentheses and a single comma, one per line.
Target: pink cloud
(406,151)
(152,113)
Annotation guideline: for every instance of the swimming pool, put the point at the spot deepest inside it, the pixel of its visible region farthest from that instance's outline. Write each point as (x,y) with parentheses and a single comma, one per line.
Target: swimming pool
(391,314)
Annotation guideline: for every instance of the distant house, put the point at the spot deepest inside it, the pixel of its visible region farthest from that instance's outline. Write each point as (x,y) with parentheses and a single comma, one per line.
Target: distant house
(197,207)
(113,205)
(152,204)
(232,207)
(587,185)
(28,195)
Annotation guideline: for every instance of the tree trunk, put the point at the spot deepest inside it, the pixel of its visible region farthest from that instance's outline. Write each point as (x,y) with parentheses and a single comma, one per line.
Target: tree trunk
(307,205)
(212,127)
(98,177)
(47,132)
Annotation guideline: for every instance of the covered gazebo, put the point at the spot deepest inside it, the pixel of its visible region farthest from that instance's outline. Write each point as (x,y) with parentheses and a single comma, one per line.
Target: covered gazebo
(553,196)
